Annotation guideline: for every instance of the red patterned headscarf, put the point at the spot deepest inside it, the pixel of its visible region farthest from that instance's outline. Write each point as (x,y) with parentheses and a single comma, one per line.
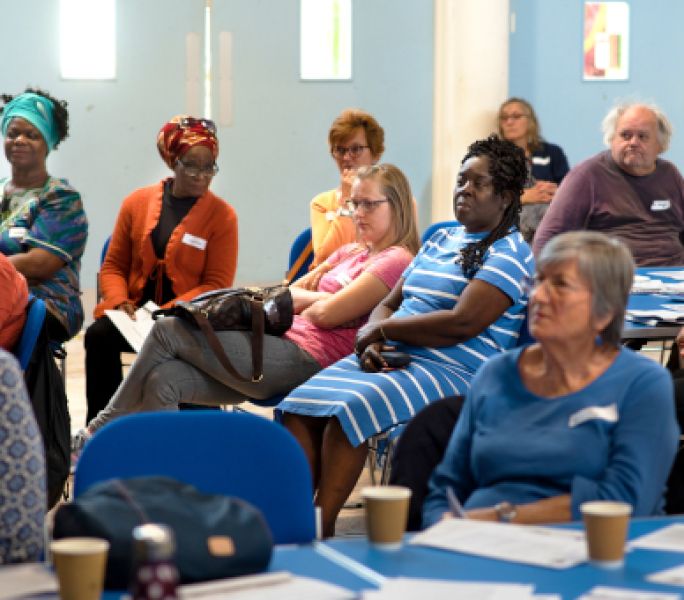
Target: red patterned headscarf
(183,132)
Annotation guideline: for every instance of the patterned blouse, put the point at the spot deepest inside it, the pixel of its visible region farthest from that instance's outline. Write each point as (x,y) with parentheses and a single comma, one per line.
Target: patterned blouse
(22,469)
(51,218)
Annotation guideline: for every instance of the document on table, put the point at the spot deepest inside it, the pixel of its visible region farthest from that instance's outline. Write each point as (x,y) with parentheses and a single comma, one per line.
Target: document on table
(669,538)
(540,546)
(136,331)
(655,316)
(405,588)
(266,586)
(678,275)
(672,576)
(601,592)
(30,579)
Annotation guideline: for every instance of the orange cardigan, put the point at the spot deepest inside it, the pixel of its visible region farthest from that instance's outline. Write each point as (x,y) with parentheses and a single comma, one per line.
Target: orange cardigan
(201,253)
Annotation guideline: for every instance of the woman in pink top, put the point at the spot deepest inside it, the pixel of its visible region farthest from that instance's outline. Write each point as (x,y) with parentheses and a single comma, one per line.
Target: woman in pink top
(331,303)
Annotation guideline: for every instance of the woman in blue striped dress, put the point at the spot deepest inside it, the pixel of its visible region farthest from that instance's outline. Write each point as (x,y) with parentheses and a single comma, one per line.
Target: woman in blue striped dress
(458,303)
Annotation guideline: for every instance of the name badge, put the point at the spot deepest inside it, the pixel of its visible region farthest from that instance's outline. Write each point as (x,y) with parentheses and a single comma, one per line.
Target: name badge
(17,233)
(330,215)
(541,160)
(194,241)
(604,413)
(660,205)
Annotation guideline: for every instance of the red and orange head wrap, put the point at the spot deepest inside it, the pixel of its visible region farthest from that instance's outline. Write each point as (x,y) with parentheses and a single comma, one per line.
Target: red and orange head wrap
(182,133)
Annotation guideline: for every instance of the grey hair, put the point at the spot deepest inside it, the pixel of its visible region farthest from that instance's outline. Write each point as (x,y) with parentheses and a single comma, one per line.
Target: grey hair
(605,264)
(663,128)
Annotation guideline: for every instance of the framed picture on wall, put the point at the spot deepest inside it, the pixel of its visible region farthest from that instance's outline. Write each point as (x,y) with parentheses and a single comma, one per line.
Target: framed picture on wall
(606,41)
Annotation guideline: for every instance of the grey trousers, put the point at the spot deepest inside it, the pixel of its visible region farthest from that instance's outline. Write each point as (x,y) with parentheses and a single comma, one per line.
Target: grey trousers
(177,365)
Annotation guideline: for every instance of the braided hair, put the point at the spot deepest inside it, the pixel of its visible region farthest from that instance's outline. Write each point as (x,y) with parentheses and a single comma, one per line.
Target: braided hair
(508,169)
(61,115)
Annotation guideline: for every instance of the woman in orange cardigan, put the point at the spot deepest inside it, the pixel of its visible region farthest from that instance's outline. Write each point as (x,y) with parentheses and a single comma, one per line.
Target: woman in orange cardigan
(172,241)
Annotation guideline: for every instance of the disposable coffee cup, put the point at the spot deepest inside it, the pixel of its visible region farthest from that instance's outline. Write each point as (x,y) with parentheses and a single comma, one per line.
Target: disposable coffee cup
(80,564)
(606,523)
(386,514)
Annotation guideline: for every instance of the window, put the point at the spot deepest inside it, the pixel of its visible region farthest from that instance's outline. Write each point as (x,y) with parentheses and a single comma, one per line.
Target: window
(325,38)
(87,39)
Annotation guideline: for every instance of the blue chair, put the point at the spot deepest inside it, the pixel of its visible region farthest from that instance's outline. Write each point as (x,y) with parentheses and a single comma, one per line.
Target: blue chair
(299,249)
(35,318)
(427,234)
(235,454)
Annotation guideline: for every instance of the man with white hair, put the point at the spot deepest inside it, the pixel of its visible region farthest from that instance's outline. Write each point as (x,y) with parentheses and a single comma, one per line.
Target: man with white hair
(626,191)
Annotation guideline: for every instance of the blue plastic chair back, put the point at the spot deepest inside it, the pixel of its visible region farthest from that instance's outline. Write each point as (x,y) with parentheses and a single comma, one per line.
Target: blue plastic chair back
(296,249)
(236,454)
(35,318)
(430,230)
(105,247)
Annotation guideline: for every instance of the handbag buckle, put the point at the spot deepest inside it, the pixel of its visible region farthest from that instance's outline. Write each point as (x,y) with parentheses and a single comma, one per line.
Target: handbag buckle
(257,379)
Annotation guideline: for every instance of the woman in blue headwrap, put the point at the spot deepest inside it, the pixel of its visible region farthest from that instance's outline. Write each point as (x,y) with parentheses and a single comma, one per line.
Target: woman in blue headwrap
(43,227)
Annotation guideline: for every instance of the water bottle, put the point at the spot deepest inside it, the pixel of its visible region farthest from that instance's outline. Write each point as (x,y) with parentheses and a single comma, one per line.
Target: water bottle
(155,576)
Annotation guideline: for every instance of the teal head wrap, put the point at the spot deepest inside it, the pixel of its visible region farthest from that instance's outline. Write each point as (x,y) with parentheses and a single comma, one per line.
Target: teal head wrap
(38,111)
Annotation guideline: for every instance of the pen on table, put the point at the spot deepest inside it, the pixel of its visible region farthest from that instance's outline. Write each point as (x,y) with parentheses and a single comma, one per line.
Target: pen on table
(454,505)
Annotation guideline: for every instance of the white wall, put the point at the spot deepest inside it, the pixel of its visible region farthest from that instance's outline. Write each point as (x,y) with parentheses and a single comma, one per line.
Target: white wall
(274,158)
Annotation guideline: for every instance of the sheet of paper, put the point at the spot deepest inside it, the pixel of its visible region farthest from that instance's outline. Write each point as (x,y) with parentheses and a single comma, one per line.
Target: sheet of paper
(136,331)
(265,586)
(670,538)
(678,308)
(540,546)
(30,579)
(405,588)
(601,592)
(646,286)
(673,576)
(678,275)
(655,315)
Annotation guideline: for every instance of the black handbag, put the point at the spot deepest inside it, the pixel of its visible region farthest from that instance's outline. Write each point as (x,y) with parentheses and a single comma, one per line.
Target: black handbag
(216,536)
(259,310)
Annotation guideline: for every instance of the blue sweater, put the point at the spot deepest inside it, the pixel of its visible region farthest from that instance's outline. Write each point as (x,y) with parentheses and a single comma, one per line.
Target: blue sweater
(613,440)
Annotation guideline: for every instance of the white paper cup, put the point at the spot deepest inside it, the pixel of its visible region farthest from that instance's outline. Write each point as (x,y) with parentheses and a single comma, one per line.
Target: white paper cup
(606,523)
(386,514)
(80,564)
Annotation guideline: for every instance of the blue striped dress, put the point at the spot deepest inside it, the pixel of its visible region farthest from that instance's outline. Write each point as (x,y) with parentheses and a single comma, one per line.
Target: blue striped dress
(369,403)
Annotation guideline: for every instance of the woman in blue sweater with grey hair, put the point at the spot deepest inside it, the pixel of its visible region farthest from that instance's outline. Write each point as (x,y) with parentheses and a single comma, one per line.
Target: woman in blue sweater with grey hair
(571,418)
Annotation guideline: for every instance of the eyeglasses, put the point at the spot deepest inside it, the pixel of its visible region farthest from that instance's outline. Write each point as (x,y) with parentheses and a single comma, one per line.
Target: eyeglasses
(354,151)
(208,124)
(367,205)
(513,116)
(195,171)
(557,287)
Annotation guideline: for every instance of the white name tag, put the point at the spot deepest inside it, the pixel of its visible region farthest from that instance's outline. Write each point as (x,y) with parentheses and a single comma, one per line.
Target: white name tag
(541,160)
(604,413)
(194,241)
(660,205)
(330,215)
(17,233)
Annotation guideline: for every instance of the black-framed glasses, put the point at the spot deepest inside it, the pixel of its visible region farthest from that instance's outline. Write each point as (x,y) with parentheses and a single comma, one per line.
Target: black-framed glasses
(354,150)
(367,205)
(195,171)
(208,124)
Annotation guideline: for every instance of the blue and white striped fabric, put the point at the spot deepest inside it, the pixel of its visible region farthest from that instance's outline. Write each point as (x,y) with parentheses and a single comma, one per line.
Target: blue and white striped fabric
(368,403)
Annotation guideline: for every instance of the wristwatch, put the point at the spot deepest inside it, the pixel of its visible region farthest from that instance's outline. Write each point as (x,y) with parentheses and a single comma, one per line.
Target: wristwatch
(505,511)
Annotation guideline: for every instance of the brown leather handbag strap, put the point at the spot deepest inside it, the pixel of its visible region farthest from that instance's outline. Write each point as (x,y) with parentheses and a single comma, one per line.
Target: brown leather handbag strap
(257,310)
(301,259)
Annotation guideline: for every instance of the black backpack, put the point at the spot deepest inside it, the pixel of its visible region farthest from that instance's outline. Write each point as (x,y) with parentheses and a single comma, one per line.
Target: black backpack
(46,388)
